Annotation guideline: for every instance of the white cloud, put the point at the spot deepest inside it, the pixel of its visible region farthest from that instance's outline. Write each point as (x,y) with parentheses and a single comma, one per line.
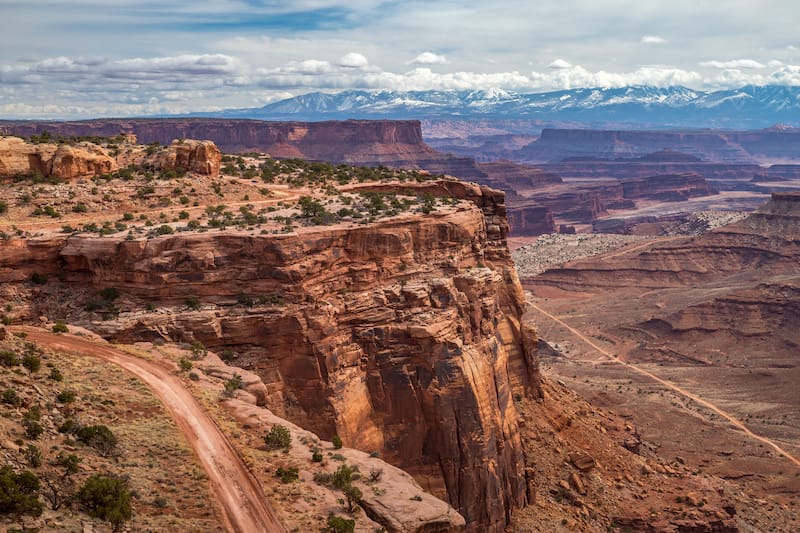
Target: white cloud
(353,60)
(653,39)
(428,58)
(559,64)
(733,64)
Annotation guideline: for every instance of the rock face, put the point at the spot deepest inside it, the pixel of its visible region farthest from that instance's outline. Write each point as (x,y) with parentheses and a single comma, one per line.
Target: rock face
(402,336)
(355,142)
(59,161)
(670,188)
(202,157)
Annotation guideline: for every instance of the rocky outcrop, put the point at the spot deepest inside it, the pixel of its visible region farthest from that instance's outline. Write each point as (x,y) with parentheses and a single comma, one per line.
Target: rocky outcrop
(202,157)
(402,336)
(766,242)
(668,188)
(356,142)
(509,175)
(63,161)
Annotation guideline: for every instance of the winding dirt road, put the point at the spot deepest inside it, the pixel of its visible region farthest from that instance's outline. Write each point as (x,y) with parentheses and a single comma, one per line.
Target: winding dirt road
(668,384)
(244,507)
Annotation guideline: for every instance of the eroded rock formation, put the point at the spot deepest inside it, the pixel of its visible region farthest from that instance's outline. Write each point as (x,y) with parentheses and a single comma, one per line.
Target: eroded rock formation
(202,157)
(402,336)
(392,143)
(18,157)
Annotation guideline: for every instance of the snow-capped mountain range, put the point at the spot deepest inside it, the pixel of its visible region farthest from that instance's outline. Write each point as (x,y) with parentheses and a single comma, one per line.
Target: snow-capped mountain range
(747,107)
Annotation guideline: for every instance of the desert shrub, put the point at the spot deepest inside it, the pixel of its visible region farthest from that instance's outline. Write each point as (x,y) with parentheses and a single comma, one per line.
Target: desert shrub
(287,475)
(232,385)
(342,477)
(66,396)
(33,456)
(165,229)
(337,524)
(9,358)
(109,294)
(68,426)
(192,303)
(32,363)
(69,462)
(19,493)
(55,374)
(60,327)
(278,437)
(38,279)
(100,438)
(337,442)
(10,397)
(33,429)
(3,207)
(316,457)
(353,496)
(184,364)
(107,498)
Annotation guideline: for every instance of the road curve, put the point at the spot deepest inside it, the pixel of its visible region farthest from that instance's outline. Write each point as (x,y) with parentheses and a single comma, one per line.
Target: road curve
(668,384)
(244,507)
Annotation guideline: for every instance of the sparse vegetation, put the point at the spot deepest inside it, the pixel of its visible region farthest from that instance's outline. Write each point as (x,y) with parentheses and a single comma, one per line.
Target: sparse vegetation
(278,437)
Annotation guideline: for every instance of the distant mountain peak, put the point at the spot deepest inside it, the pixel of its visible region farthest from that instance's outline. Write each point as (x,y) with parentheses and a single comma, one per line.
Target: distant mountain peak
(676,106)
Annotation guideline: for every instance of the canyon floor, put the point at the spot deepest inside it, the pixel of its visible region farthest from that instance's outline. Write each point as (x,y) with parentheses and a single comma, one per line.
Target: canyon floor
(722,402)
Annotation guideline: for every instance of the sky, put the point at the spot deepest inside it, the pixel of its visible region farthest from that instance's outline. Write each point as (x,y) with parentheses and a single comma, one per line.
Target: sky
(96,58)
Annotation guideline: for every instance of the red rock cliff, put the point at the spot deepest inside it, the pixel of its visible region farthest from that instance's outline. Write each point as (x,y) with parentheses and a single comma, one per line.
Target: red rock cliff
(392,143)
(402,336)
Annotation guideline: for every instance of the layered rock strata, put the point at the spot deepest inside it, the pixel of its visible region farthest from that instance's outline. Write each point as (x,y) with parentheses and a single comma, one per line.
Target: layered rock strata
(402,336)
(391,143)
(62,161)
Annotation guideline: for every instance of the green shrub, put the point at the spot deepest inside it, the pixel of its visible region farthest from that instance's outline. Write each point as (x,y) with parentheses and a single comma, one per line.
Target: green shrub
(56,375)
(184,364)
(342,477)
(10,397)
(9,358)
(232,385)
(33,455)
(3,207)
(109,294)
(107,498)
(337,524)
(353,495)
(60,327)
(337,442)
(287,475)
(192,303)
(38,279)
(100,438)
(316,457)
(33,429)
(66,396)
(19,493)
(32,363)
(278,437)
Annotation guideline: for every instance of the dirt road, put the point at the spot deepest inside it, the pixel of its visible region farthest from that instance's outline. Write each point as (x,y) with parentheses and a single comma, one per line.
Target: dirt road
(668,384)
(244,507)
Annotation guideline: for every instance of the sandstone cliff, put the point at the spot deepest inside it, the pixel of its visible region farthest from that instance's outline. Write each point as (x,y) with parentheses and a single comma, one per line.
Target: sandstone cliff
(356,142)
(202,157)
(18,157)
(402,336)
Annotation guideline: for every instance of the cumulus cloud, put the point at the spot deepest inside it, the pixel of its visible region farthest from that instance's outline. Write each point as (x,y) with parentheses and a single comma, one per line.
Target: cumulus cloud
(733,64)
(353,60)
(559,64)
(653,39)
(67,87)
(428,58)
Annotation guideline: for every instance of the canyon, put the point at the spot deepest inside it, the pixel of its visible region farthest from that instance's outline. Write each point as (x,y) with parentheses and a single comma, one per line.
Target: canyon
(383,307)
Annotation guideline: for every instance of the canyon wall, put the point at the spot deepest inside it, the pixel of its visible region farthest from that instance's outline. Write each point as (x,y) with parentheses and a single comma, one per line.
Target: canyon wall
(357,142)
(402,336)
(718,146)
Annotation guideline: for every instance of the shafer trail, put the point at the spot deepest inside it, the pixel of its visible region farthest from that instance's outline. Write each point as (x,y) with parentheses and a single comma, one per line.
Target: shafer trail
(244,507)
(705,403)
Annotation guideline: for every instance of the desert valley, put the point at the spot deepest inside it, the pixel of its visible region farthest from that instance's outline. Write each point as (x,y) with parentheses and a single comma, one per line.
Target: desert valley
(335,281)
